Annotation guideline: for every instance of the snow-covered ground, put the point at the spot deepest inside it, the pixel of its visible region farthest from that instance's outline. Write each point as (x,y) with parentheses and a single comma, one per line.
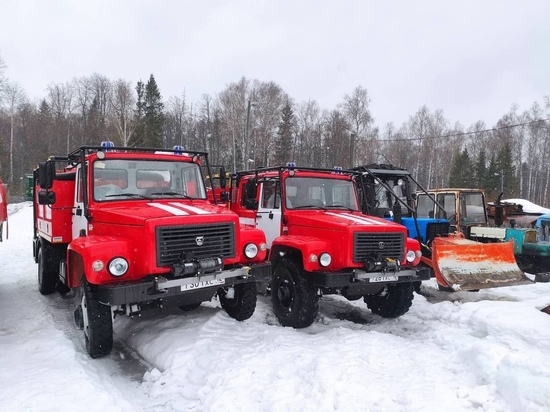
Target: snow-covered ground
(487,351)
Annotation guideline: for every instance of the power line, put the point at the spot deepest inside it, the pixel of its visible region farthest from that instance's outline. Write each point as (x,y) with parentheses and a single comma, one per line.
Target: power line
(494,129)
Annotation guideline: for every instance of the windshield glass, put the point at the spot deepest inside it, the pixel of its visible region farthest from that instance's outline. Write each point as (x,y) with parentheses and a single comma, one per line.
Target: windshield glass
(424,206)
(130,179)
(303,192)
(473,208)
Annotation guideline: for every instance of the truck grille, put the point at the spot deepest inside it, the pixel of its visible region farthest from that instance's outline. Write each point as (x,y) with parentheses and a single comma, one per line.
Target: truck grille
(438,229)
(216,239)
(378,246)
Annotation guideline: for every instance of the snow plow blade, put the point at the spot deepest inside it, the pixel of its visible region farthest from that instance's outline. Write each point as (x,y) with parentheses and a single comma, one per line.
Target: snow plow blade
(463,264)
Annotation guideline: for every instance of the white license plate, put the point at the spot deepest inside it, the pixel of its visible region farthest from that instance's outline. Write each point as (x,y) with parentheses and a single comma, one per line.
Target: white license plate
(202,284)
(384,279)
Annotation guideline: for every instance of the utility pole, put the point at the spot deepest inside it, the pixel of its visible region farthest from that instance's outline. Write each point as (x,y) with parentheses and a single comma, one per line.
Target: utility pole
(501,174)
(246,155)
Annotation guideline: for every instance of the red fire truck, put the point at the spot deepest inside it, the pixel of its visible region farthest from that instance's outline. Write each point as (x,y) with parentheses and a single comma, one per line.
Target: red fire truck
(133,229)
(320,243)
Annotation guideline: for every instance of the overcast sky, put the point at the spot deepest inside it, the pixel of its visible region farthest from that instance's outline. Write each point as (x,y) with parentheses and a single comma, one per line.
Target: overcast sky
(472,59)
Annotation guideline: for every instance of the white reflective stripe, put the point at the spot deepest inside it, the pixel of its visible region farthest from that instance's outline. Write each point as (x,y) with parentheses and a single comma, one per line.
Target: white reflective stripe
(368,220)
(173,210)
(356,219)
(247,221)
(190,208)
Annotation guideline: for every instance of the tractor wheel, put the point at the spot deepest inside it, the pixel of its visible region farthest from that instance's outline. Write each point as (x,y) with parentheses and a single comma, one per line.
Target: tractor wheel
(393,301)
(241,302)
(47,278)
(96,321)
(190,307)
(294,296)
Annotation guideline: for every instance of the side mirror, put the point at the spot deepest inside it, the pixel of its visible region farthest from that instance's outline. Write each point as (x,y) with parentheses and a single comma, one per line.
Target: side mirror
(223,178)
(46,197)
(250,194)
(46,175)
(250,189)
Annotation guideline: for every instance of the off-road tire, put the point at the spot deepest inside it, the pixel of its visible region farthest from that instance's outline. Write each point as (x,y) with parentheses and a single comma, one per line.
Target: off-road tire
(243,303)
(190,307)
(47,278)
(393,301)
(294,296)
(98,323)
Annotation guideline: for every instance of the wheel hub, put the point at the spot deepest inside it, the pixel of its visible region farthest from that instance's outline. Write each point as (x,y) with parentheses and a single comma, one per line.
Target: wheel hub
(285,294)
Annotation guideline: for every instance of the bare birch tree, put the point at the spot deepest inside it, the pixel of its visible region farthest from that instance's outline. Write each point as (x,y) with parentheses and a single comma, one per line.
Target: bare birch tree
(13,96)
(357,112)
(122,106)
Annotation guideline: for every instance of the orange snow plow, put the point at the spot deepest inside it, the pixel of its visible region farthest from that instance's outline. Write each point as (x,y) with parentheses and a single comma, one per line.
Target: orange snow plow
(463,264)
(475,255)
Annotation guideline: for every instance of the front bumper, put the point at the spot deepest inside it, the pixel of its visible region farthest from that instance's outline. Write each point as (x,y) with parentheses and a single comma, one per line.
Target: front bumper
(159,287)
(355,276)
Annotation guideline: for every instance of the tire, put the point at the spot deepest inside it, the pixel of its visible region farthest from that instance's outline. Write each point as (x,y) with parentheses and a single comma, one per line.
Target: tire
(190,307)
(47,278)
(393,301)
(242,304)
(294,296)
(97,322)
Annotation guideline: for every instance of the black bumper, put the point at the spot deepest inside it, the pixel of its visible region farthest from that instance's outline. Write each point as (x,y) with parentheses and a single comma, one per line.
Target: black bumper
(353,277)
(159,287)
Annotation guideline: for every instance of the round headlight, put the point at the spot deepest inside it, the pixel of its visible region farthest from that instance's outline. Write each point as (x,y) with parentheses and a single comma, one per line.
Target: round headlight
(251,250)
(97,266)
(411,256)
(325,259)
(118,266)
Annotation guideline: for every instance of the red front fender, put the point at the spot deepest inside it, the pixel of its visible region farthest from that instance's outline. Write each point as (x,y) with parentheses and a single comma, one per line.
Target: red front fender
(86,250)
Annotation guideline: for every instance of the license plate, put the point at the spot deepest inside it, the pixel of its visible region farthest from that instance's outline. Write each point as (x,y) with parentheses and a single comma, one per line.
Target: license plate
(384,279)
(202,284)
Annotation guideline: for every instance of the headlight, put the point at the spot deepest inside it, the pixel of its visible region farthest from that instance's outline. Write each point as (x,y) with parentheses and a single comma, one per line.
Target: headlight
(411,256)
(118,266)
(251,250)
(325,259)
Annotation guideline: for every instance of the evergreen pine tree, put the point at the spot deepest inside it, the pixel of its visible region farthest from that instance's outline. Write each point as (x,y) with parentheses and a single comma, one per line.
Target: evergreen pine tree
(462,174)
(506,171)
(491,185)
(154,115)
(283,147)
(138,137)
(481,169)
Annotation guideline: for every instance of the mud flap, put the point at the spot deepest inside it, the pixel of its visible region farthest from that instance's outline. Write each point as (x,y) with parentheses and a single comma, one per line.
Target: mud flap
(463,264)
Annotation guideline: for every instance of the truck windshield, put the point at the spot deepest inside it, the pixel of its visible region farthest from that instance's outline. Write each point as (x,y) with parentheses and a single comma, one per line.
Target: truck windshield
(123,179)
(313,192)
(473,208)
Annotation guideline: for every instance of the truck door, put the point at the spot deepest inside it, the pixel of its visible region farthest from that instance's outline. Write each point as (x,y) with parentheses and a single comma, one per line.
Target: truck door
(269,210)
(79,222)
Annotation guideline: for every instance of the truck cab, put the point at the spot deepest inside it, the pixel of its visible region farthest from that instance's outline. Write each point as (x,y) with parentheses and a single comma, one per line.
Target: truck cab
(320,243)
(133,229)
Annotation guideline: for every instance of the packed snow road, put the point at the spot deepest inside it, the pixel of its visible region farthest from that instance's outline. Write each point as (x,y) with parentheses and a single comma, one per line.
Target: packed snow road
(454,352)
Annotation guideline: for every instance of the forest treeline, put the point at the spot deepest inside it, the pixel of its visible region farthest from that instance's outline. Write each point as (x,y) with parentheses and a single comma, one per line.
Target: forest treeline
(252,123)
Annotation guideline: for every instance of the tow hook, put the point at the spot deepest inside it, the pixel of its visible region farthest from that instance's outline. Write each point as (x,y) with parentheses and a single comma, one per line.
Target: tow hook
(78,318)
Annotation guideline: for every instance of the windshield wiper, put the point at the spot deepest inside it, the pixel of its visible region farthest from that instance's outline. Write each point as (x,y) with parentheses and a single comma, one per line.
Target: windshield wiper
(341,207)
(129,195)
(309,207)
(174,194)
